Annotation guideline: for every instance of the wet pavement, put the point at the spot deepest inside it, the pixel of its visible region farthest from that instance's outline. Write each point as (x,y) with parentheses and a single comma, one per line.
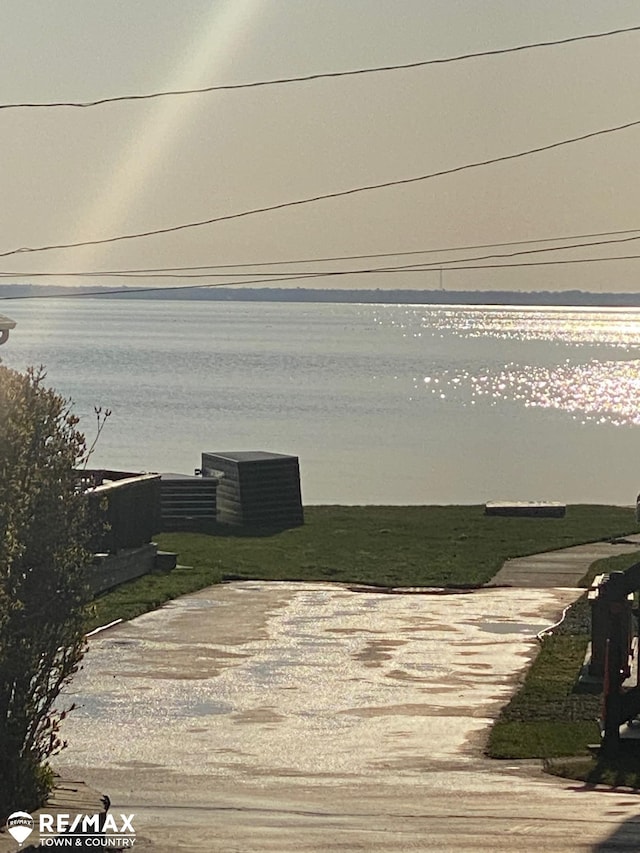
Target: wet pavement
(305,717)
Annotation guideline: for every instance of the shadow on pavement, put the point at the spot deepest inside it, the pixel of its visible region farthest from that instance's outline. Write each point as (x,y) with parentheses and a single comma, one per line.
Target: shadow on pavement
(625,837)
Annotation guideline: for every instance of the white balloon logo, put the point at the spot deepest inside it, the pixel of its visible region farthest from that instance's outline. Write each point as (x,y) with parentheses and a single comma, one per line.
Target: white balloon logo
(20,825)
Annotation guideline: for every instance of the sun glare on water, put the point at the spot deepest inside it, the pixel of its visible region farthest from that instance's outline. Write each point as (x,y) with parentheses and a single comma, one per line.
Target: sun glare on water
(603,389)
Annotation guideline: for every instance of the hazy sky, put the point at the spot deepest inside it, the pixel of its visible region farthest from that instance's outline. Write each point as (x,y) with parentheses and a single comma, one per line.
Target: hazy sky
(70,175)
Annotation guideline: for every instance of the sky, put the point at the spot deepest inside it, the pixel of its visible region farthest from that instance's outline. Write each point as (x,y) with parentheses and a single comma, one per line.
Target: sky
(69,175)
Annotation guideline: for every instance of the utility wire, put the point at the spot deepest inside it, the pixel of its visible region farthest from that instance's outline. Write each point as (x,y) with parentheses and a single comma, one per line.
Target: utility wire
(332,259)
(316,275)
(529,264)
(187,272)
(324,196)
(319,76)
(445,263)
(462,264)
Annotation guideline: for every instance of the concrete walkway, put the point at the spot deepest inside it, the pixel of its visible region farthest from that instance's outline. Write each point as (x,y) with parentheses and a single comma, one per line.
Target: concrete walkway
(300,718)
(304,717)
(563,568)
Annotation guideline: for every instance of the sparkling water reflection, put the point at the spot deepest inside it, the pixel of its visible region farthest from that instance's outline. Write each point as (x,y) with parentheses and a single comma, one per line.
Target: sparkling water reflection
(382,403)
(601,391)
(574,326)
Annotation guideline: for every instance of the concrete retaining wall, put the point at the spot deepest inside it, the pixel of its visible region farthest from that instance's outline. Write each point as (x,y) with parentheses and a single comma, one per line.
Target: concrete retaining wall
(109,570)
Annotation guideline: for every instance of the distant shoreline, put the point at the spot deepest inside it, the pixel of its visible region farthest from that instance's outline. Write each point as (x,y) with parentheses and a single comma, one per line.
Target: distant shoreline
(575,298)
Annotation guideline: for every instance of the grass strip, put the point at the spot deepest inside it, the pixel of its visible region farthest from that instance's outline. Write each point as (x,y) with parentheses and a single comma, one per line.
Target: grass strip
(621,772)
(608,565)
(549,716)
(553,716)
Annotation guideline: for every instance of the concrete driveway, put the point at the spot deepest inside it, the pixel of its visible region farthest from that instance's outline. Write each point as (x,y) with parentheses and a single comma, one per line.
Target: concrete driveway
(285,717)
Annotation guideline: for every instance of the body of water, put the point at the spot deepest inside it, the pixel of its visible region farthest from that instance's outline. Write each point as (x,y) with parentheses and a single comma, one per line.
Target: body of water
(398,404)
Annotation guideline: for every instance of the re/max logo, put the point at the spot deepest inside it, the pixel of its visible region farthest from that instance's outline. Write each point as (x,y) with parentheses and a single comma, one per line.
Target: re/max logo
(86,824)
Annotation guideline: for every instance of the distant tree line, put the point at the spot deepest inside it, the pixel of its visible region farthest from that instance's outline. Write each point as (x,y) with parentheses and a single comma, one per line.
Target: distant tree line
(378,296)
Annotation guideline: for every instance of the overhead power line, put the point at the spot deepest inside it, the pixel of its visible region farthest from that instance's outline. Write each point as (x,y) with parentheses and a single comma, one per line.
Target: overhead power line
(315,275)
(323,196)
(558,262)
(306,78)
(444,264)
(325,259)
(188,272)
